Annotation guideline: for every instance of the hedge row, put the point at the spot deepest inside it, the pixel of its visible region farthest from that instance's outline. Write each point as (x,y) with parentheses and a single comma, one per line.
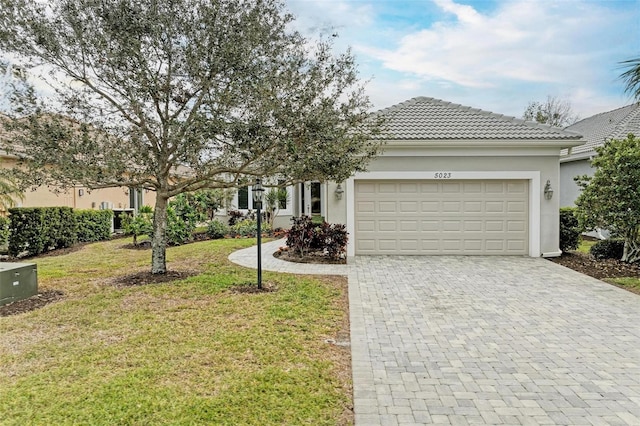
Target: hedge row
(39,229)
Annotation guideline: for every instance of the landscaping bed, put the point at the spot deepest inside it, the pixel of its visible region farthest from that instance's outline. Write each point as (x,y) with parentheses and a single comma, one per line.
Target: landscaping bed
(608,270)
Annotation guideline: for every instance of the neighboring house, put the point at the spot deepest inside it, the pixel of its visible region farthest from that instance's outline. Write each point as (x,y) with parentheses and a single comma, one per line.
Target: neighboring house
(616,124)
(80,197)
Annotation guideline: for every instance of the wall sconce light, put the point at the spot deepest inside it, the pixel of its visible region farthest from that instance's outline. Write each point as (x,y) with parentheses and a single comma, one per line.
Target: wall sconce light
(548,191)
(339,191)
(80,192)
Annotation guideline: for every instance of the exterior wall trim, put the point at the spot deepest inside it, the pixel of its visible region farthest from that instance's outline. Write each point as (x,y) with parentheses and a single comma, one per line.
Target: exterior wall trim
(534,196)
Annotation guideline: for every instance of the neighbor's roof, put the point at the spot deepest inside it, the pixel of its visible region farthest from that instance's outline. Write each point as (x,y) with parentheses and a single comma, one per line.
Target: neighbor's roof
(597,129)
(424,118)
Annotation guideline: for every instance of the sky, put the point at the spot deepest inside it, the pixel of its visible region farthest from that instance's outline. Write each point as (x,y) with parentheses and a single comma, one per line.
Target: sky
(496,55)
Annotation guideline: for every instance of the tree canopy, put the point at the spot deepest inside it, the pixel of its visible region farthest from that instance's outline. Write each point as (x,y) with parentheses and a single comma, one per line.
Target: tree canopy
(180,95)
(610,199)
(554,111)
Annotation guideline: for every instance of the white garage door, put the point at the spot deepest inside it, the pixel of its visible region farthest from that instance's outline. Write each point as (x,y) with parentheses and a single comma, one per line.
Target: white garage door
(432,217)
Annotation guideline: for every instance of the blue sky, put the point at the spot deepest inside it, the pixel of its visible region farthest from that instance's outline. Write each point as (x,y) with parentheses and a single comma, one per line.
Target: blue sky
(496,55)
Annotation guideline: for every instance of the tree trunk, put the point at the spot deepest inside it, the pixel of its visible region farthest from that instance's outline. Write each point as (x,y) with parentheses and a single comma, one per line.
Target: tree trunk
(159,240)
(631,252)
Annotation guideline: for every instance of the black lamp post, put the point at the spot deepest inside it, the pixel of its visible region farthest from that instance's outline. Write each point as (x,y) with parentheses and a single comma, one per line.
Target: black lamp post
(258,193)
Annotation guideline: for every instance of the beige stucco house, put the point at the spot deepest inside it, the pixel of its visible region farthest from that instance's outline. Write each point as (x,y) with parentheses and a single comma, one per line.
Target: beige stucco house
(452,180)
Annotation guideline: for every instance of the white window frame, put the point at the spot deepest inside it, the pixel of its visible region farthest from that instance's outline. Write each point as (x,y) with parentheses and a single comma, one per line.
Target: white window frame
(287,211)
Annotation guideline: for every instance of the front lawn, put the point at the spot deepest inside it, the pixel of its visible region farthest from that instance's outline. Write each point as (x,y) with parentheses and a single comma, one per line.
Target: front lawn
(194,351)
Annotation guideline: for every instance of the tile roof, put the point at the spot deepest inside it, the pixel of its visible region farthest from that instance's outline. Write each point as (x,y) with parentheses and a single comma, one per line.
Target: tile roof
(424,118)
(597,129)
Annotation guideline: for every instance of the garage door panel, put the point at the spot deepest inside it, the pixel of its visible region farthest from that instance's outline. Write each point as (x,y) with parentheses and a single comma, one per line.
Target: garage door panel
(494,188)
(365,207)
(451,206)
(409,207)
(473,225)
(389,188)
(430,225)
(451,188)
(472,206)
(438,217)
(452,225)
(409,225)
(387,225)
(430,207)
(387,207)
(516,206)
(388,245)
(494,207)
(473,246)
(516,226)
(408,188)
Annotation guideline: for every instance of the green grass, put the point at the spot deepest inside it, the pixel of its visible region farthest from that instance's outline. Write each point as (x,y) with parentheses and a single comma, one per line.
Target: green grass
(630,283)
(182,353)
(585,245)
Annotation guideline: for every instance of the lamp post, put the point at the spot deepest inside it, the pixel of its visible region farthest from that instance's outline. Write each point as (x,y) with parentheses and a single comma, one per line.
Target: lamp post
(258,193)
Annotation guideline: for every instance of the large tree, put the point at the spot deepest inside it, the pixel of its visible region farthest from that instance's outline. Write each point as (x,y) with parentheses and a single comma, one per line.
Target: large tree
(555,111)
(610,199)
(179,95)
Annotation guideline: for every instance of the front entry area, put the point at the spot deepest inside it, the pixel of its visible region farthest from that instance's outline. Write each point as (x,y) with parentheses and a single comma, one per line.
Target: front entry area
(442,217)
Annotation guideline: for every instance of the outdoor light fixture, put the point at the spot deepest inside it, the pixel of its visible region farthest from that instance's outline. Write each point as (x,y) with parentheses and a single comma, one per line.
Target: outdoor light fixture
(80,192)
(339,191)
(258,194)
(548,191)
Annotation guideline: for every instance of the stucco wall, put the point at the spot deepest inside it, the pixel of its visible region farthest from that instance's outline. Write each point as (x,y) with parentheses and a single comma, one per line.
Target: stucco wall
(78,197)
(541,166)
(569,190)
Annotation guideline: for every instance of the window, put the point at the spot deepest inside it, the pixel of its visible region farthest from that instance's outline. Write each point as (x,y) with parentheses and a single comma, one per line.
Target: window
(282,204)
(243,198)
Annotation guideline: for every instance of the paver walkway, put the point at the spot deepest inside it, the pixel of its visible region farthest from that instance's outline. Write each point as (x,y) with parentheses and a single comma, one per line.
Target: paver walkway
(249,257)
(484,340)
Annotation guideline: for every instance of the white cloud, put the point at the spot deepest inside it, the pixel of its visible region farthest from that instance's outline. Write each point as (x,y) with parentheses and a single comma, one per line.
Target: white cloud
(540,42)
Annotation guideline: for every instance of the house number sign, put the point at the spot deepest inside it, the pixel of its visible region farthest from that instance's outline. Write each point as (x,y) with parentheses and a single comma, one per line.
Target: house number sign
(442,175)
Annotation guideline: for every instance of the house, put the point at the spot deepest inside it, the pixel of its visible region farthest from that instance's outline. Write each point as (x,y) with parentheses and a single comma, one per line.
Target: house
(452,180)
(576,161)
(79,197)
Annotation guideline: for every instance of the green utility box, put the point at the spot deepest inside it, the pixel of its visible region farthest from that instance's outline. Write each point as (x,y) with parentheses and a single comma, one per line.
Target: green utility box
(17,281)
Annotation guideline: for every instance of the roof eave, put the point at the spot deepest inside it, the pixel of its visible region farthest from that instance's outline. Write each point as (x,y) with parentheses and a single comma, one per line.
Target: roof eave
(484,143)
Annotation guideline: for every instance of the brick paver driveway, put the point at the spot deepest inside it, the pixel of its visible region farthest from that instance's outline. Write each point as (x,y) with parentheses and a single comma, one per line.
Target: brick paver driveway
(491,340)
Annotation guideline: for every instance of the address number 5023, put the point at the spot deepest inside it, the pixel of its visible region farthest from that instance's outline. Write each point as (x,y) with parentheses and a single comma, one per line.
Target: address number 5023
(442,175)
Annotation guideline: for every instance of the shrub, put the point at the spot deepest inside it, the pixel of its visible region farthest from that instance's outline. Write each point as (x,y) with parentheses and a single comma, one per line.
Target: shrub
(145,209)
(336,241)
(301,235)
(235,216)
(4,231)
(249,228)
(93,225)
(216,229)
(179,228)
(607,249)
(305,235)
(569,229)
(37,230)
(138,225)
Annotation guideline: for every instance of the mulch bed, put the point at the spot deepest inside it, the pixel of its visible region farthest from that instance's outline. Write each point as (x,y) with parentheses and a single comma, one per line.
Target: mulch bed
(34,302)
(146,277)
(608,268)
(311,257)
